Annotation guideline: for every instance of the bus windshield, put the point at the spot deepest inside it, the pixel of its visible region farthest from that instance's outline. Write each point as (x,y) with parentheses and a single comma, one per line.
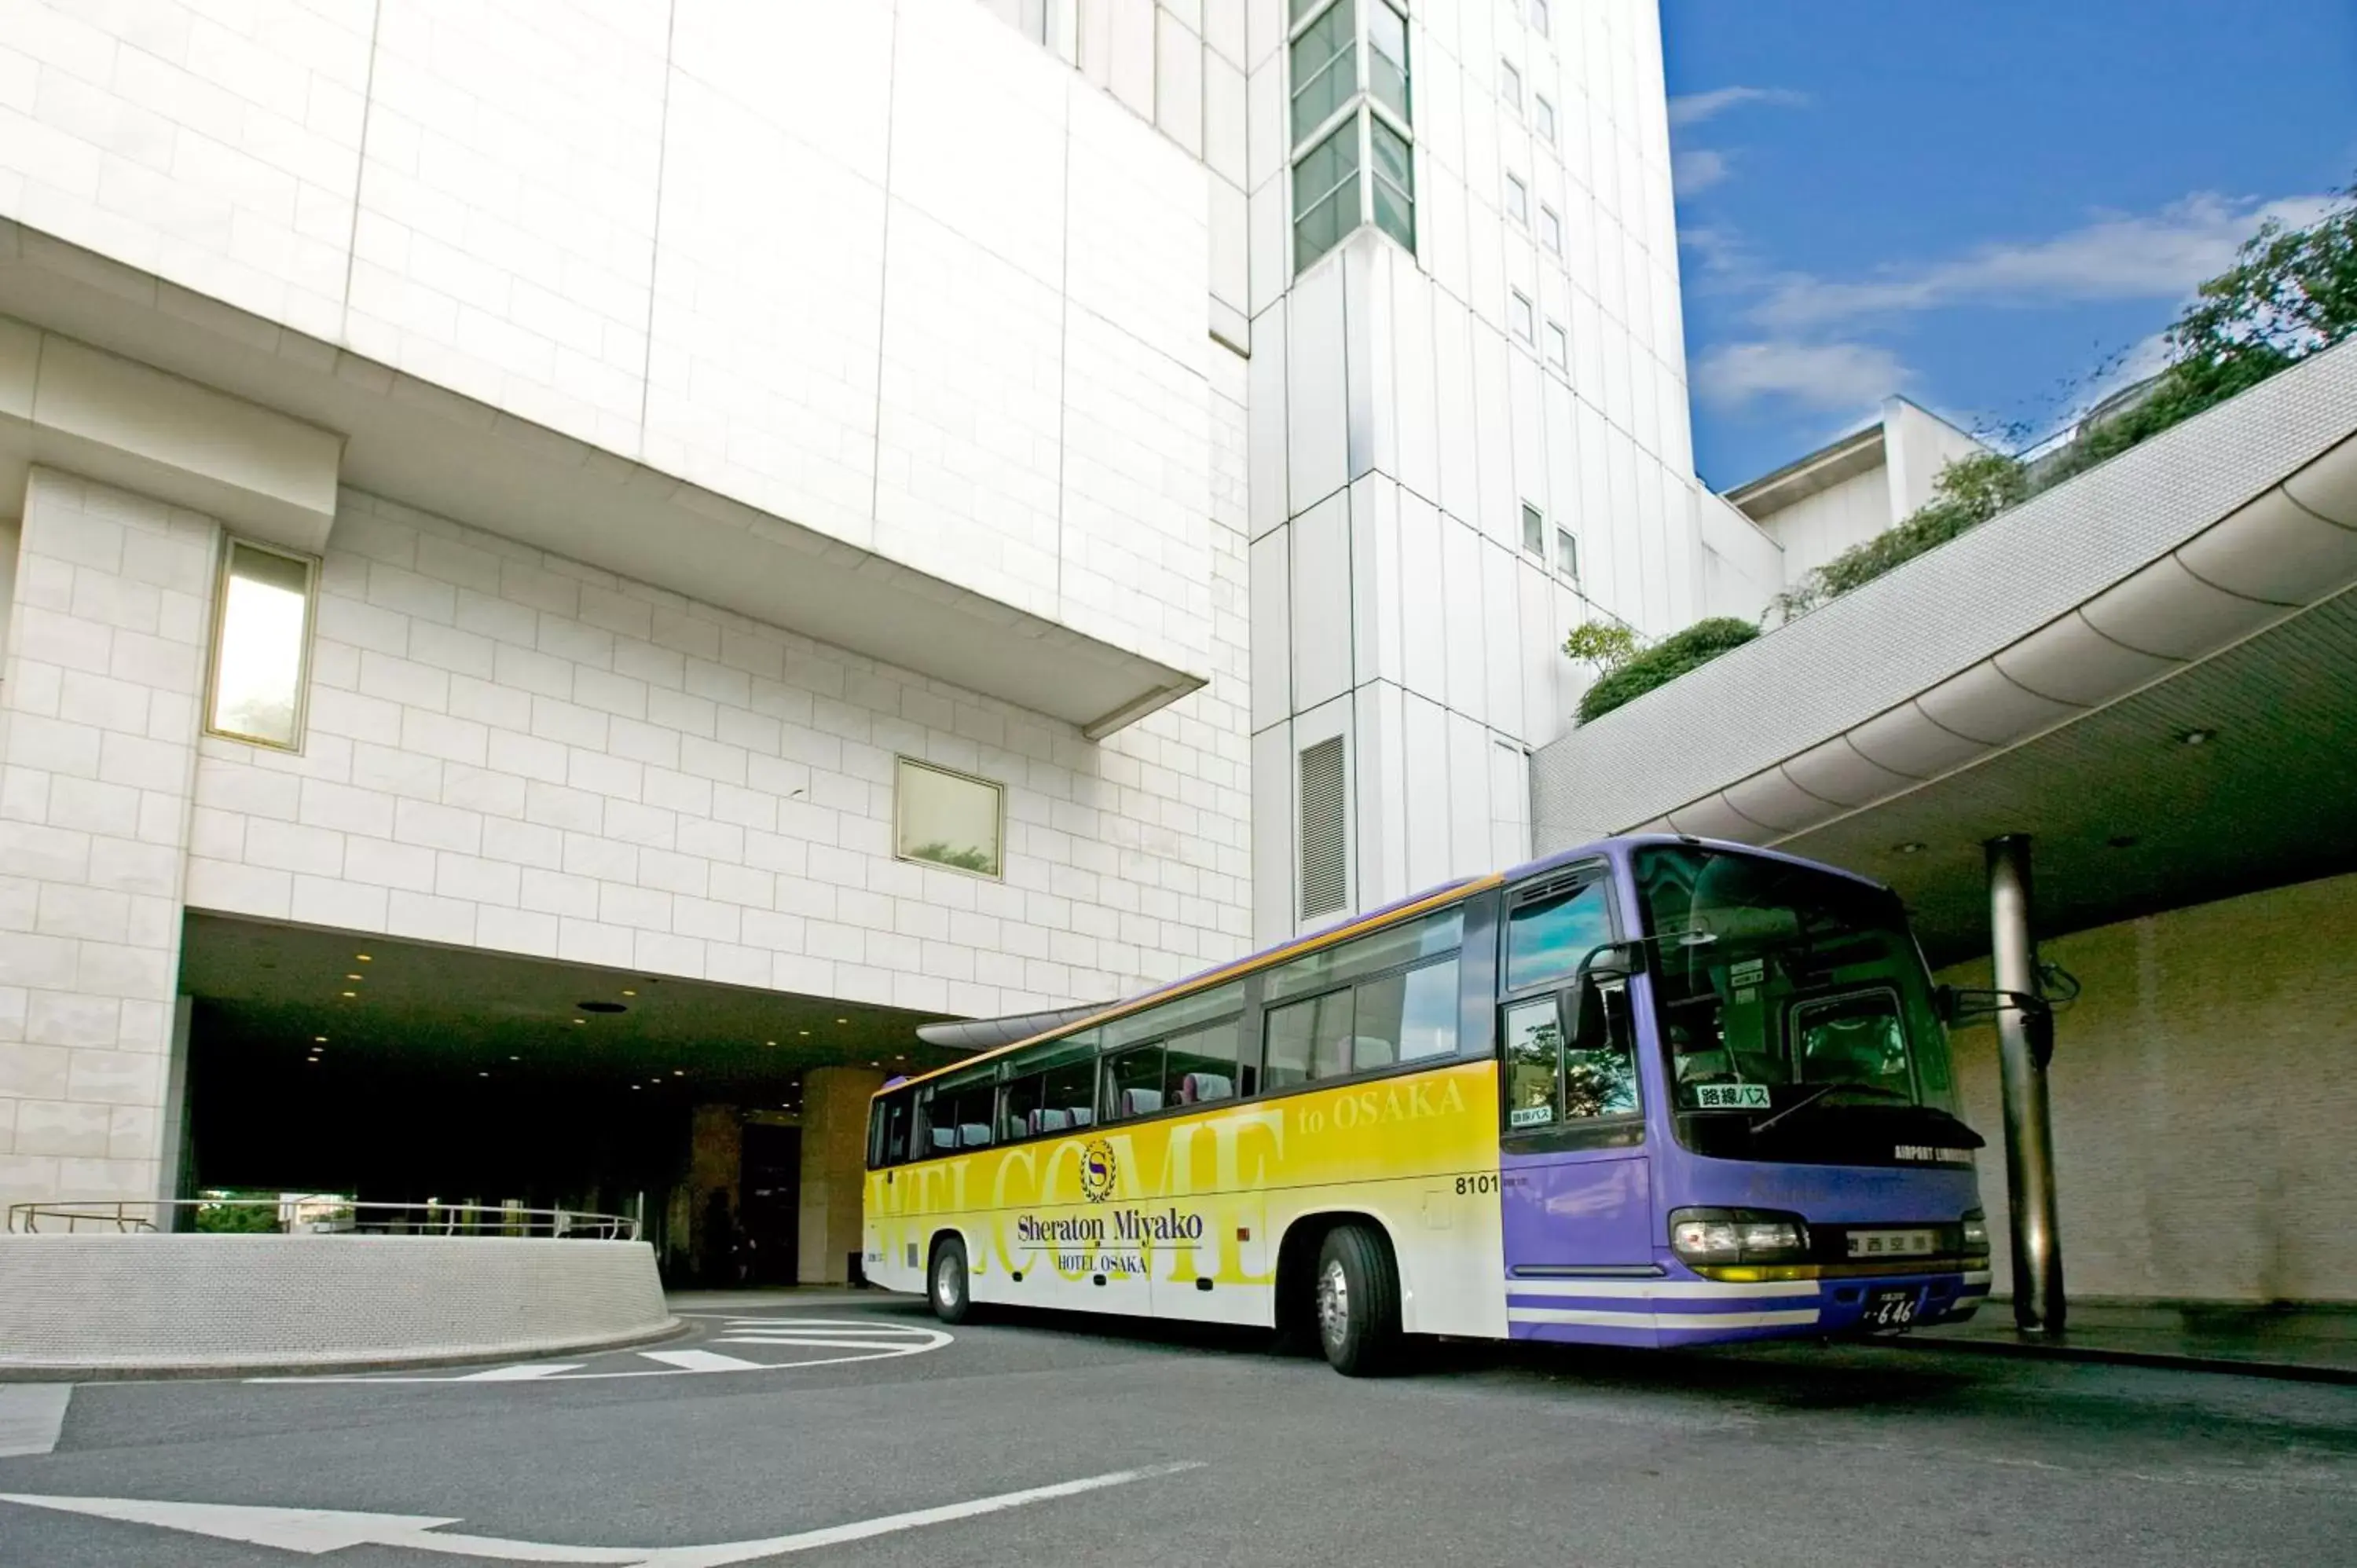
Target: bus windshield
(1786,989)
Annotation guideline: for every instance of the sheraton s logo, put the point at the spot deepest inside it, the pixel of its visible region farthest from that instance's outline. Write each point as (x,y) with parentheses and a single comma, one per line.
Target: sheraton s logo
(1097,1170)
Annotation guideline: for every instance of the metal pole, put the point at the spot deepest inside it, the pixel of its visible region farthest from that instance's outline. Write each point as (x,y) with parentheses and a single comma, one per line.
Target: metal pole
(2037,1304)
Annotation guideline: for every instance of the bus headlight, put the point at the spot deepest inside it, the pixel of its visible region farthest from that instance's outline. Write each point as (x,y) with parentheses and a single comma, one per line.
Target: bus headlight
(1737,1236)
(1976,1234)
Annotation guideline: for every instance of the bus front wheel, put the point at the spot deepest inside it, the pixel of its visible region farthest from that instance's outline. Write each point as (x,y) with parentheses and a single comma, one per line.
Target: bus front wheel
(1358,1302)
(952,1301)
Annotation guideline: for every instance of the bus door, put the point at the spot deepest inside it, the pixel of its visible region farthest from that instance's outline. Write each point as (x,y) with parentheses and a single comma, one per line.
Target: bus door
(1578,1194)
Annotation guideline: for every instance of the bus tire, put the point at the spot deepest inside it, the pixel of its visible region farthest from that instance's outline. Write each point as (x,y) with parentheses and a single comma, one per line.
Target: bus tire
(1356,1302)
(948,1286)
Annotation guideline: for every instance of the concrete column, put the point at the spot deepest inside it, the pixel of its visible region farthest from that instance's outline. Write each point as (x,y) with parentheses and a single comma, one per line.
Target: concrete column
(2038,1301)
(834,1169)
(104,667)
(716,1165)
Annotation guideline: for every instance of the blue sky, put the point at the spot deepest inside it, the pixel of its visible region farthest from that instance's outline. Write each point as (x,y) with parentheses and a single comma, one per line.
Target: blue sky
(1972,205)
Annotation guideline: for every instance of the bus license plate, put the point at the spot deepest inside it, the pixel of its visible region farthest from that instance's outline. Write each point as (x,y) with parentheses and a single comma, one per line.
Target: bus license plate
(1891,1308)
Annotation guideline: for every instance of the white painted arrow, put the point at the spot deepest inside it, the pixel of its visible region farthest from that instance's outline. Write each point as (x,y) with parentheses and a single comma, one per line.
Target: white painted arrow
(315,1531)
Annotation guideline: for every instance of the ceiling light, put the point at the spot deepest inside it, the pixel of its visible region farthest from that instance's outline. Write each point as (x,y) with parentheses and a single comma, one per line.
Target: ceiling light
(769,1042)
(630,994)
(310,1061)
(842,1020)
(2196,737)
(362,957)
(803,1033)
(637,1086)
(580,1020)
(319,1039)
(351,977)
(515,1058)
(352,994)
(679,1072)
(482,1075)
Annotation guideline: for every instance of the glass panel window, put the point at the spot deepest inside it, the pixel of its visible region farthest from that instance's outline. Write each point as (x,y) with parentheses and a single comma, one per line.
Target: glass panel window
(1325,195)
(1566,553)
(262,647)
(1542,115)
(1133,1083)
(961,1113)
(1558,346)
(948,818)
(1510,86)
(1051,1090)
(1517,199)
(1325,67)
(1599,1076)
(1387,58)
(1518,315)
(1534,530)
(1547,937)
(1203,1065)
(1394,187)
(1533,1040)
(1308,1039)
(1430,937)
(1550,230)
(1540,20)
(1405,1018)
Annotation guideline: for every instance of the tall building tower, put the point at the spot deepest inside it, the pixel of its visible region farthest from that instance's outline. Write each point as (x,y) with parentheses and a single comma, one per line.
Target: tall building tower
(1468,421)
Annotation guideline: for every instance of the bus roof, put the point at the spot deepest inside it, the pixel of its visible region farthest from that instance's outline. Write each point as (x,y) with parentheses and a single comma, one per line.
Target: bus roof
(1431,897)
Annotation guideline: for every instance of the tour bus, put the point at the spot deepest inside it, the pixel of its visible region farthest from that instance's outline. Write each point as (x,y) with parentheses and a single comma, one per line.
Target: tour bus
(1656,1091)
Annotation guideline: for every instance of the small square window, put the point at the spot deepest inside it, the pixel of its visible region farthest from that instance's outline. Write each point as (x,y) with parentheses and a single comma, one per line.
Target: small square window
(1566,553)
(1558,346)
(948,818)
(1534,530)
(1542,115)
(1510,86)
(1550,230)
(261,646)
(1540,20)
(1518,315)
(1518,201)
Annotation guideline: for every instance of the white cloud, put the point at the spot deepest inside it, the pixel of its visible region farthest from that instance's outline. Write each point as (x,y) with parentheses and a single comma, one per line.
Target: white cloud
(1693,108)
(1696,169)
(2154,255)
(1812,375)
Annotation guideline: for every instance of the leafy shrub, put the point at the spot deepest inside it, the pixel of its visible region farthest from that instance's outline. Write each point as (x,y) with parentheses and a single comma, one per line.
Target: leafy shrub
(1968,492)
(1663,662)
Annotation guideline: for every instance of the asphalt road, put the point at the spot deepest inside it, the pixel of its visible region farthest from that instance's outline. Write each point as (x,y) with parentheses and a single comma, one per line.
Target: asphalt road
(1197,1448)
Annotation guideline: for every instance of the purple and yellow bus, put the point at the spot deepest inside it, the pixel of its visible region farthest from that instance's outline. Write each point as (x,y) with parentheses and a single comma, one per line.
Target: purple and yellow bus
(1655,1092)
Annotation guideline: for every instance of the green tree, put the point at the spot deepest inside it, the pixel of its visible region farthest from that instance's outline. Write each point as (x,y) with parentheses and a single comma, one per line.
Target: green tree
(1967,493)
(1663,662)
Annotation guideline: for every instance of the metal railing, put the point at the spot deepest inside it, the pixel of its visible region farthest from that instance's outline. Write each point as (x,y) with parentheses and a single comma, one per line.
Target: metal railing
(305,1216)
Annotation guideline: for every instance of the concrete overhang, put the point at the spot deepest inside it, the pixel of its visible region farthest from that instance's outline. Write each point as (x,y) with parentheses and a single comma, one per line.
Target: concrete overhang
(1820,470)
(429,447)
(2150,669)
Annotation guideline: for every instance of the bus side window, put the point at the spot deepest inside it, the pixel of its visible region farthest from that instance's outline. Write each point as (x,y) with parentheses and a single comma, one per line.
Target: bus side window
(1133,1083)
(896,1132)
(1549,934)
(1533,1064)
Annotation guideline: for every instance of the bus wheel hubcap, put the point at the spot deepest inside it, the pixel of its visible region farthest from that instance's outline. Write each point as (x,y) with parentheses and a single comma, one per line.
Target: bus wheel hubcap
(1333,1303)
(946,1282)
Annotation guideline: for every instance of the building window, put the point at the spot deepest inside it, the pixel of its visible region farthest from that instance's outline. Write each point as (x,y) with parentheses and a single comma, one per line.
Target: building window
(1540,22)
(1518,315)
(948,818)
(1518,201)
(1325,830)
(1566,553)
(1534,530)
(1550,228)
(1510,86)
(1395,183)
(1325,67)
(1361,167)
(1558,346)
(1542,115)
(261,646)
(1387,58)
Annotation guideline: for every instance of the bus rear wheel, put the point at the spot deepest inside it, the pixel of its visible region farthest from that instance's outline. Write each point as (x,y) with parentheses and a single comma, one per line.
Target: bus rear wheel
(1358,1302)
(953,1302)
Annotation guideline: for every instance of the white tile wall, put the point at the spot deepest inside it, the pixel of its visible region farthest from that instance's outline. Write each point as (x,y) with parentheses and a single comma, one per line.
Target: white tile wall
(98,712)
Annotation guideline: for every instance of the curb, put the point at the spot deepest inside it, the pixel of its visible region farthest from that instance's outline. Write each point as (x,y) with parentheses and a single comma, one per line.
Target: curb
(674,1328)
(2159,1360)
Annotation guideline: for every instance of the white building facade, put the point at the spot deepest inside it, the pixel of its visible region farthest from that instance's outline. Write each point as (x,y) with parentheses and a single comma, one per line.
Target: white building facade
(876,504)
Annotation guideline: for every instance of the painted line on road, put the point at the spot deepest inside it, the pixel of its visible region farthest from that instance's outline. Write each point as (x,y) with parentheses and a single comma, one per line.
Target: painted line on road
(703,1362)
(520,1374)
(31,1416)
(316,1531)
(887,1342)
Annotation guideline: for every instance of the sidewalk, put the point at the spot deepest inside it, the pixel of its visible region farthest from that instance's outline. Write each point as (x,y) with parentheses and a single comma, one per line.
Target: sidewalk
(2313,1343)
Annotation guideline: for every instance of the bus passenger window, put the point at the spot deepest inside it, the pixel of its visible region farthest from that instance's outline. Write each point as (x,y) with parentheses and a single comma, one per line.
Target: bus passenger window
(1308,1039)
(1201,1066)
(1547,938)
(1133,1083)
(1599,1079)
(1405,1018)
(1533,1063)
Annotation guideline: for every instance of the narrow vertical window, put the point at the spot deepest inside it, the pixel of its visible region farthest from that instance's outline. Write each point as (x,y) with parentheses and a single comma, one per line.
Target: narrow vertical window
(948,818)
(1394,184)
(1550,230)
(1517,199)
(1534,530)
(1558,346)
(1325,60)
(1353,158)
(262,644)
(1510,86)
(1566,553)
(1325,830)
(1542,115)
(1326,195)
(1387,77)
(1518,315)
(1540,22)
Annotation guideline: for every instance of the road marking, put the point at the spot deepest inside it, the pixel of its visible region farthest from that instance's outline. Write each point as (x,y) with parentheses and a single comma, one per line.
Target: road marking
(703,1362)
(520,1374)
(31,1416)
(315,1531)
(868,1342)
